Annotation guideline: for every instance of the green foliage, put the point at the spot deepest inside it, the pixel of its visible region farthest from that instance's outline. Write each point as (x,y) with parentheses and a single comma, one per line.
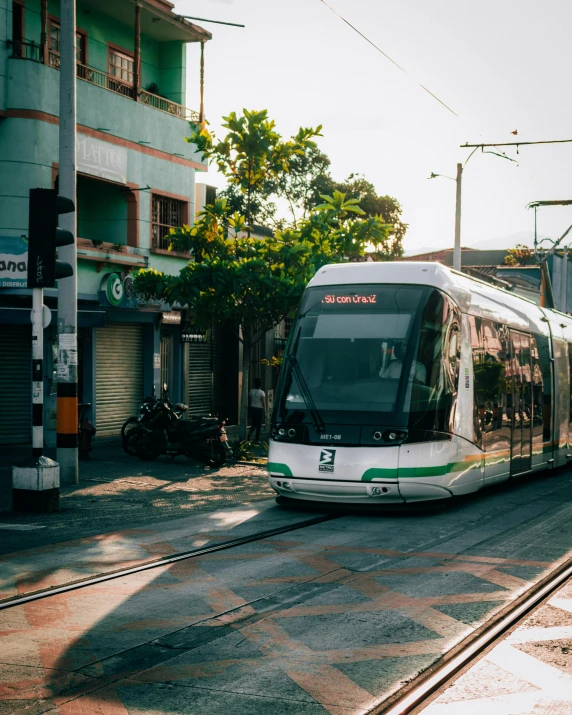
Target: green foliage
(273,362)
(252,155)
(519,255)
(242,450)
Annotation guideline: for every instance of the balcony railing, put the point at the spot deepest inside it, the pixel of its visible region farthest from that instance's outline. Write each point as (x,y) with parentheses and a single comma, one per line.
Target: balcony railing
(166,105)
(26,50)
(102,79)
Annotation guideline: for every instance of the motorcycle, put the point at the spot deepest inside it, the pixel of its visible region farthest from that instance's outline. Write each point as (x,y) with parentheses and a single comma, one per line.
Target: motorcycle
(147,410)
(164,431)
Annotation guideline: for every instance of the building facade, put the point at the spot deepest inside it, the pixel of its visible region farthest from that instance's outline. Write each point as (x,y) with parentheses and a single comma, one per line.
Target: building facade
(135,181)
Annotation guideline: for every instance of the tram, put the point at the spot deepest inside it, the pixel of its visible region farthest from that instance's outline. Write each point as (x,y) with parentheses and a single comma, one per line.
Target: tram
(405,382)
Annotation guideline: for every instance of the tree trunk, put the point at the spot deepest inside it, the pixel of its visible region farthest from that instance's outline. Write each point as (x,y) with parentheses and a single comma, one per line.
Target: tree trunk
(245,380)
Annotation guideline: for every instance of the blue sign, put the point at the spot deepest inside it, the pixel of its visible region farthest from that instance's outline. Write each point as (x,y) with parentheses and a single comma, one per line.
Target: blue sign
(13,262)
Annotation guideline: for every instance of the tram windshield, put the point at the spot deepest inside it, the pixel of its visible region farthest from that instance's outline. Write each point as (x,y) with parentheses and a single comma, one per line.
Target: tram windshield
(372,354)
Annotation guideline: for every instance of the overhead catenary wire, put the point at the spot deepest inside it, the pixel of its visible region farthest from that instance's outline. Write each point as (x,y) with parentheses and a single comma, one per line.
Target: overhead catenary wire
(354,28)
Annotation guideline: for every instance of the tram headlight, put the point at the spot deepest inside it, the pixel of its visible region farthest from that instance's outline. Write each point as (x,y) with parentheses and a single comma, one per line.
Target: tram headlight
(393,436)
(377,436)
(286,433)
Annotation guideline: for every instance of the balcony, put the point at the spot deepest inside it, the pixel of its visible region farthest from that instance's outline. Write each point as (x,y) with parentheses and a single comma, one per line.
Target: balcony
(33,52)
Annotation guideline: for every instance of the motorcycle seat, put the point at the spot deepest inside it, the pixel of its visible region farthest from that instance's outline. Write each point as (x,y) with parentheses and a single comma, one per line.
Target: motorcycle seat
(203,420)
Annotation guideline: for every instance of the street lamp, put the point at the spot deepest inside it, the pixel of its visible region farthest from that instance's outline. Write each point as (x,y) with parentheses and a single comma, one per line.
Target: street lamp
(457,244)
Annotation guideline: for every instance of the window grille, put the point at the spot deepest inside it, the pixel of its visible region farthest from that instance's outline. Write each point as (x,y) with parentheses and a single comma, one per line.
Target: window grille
(167,213)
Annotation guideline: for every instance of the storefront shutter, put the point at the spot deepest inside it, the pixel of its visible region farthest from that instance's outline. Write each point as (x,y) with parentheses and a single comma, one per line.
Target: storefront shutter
(220,364)
(119,375)
(15,384)
(199,397)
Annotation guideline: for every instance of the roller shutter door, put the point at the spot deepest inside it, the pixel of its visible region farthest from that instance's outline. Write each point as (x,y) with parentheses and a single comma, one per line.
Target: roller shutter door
(119,375)
(15,384)
(219,367)
(199,396)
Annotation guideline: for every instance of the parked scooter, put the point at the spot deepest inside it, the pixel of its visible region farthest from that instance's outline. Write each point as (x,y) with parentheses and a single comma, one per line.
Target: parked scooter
(146,412)
(164,431)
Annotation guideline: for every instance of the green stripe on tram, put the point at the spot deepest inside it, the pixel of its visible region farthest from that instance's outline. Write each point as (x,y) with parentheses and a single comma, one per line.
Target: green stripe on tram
(419,472)
(279,468)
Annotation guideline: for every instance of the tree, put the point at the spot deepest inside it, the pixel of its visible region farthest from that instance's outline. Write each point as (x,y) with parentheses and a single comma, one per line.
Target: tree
(252,156)
(248,285)
(358,187)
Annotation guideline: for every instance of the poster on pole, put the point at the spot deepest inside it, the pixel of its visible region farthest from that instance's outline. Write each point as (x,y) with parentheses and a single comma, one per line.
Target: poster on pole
(13,262)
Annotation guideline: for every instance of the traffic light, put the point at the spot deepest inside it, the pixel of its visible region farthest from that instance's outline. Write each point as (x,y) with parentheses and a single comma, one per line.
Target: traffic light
(44,237)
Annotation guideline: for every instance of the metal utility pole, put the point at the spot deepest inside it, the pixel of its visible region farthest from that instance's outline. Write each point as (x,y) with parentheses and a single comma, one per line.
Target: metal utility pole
(564,281)
(37,372)
(67,425)
(457,247)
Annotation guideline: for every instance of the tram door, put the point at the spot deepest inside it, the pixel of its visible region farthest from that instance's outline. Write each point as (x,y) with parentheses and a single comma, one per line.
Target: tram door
(519,377)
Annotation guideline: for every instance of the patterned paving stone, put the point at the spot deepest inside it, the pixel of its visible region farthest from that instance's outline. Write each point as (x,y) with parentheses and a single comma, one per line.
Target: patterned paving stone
(216,632)
(473,614)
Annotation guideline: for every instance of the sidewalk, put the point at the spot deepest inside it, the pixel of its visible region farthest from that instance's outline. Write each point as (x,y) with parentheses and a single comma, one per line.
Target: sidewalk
(116,491)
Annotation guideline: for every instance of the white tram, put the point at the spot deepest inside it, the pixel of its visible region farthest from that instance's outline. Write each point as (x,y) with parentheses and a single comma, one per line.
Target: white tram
(408,381)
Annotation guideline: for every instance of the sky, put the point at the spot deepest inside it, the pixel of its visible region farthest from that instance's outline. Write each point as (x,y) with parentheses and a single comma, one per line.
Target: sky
(501,65)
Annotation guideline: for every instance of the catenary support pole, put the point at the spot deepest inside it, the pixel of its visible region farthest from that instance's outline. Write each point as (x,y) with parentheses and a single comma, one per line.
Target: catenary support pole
(37,372)
(202,85)
(67,427)
(457,247)
(564,283)
(36,481)
(137,52)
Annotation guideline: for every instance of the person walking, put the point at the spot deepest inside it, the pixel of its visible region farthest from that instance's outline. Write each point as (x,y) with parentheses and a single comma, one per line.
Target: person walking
(257,404)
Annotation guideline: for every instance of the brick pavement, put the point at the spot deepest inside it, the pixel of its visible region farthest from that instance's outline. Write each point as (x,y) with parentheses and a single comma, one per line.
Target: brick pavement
(117,491)
(328,619)
(528,673)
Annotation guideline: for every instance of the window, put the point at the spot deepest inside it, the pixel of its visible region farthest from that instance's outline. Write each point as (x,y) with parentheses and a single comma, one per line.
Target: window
(167,213)
(121,65)
(54,46)
(375,354)
(17,28)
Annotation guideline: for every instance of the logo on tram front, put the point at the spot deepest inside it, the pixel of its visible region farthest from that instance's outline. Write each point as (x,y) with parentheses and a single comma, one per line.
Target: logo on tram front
(327,459)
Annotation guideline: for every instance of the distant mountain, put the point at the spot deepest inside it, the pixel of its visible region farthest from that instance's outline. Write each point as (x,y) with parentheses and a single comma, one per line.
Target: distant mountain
(525,238)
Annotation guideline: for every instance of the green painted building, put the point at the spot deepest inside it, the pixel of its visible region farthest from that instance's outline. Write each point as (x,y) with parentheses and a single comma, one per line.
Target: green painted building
(135,180)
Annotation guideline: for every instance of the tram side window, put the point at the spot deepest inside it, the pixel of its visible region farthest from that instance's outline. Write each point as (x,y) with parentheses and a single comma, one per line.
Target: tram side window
(570,366)
(543,347)
(496,430)
(537,397)
(478,378)
(436,373)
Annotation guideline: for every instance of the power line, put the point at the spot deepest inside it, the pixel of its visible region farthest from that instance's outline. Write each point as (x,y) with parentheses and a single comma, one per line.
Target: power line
(517,144)
(343,19)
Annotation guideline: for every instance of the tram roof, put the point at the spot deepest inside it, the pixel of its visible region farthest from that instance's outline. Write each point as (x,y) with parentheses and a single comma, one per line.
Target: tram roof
(471,294)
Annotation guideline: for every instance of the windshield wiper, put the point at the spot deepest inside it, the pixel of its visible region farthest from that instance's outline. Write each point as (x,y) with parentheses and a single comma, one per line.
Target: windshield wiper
(306,394)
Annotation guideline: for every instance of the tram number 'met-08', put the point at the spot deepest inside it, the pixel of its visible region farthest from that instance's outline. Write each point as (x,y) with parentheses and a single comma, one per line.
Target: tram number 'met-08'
(330,436)
(350,299)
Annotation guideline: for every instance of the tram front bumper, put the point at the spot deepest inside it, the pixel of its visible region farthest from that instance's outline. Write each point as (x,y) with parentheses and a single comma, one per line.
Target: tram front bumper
(337,492)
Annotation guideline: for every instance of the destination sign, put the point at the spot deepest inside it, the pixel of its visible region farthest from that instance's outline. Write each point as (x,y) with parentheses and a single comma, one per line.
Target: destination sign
(349,299)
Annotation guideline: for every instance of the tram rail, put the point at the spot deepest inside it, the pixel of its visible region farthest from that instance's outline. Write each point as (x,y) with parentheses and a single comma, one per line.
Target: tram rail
(13,601)
(421,691)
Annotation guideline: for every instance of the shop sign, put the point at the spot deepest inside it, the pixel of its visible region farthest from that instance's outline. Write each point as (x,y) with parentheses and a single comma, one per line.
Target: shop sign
(101,159)
(13,262)
(117,291)
(172,318)
(191,334)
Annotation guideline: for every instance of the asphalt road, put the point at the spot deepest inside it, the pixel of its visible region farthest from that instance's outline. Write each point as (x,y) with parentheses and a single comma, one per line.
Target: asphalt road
(328,619)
